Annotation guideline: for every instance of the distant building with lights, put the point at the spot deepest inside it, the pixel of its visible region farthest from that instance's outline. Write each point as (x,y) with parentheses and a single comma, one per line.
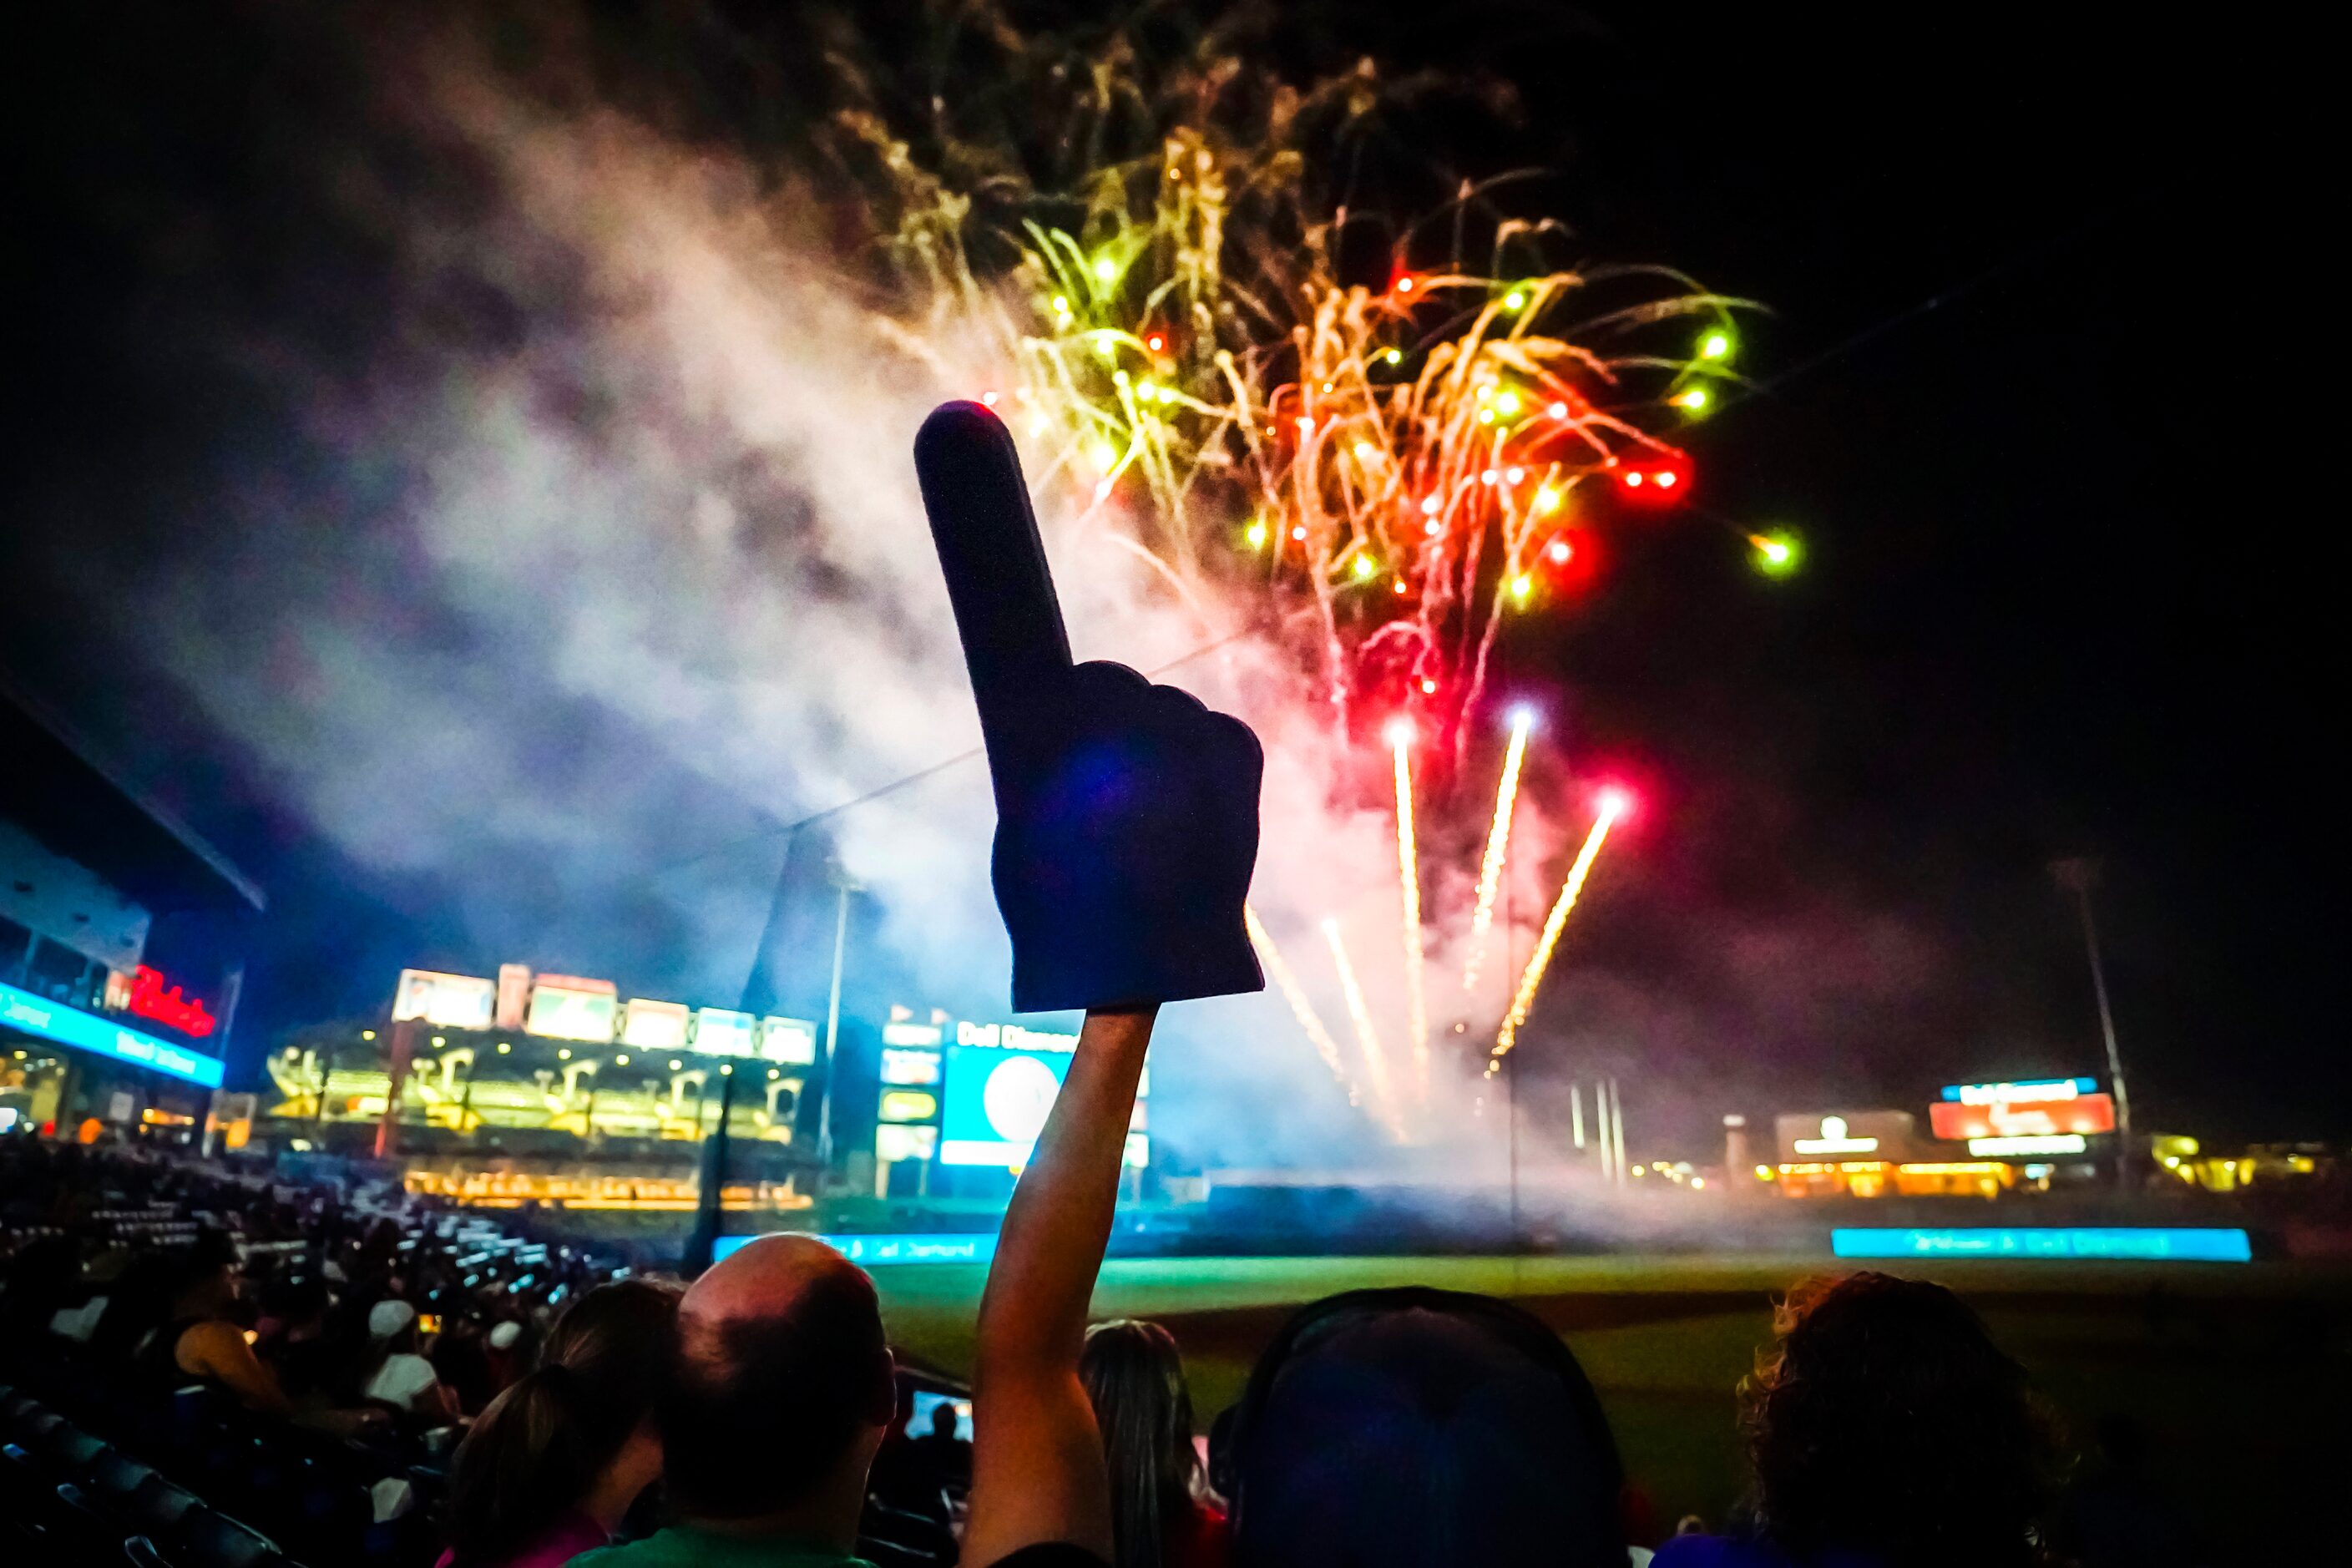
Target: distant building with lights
(121,933)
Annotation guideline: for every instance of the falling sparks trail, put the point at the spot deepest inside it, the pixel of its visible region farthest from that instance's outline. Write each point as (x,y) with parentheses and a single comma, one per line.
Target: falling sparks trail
(1376,1062)
(1293,993)
(1498,843)
(1409,885)
(1552,925)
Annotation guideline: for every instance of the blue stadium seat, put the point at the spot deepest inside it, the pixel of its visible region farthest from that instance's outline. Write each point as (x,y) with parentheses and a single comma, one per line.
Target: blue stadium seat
(157,1506)
(114,1476)
(208,1540)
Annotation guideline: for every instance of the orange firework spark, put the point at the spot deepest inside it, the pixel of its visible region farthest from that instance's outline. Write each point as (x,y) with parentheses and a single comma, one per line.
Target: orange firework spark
(1499,844)
(1409,889)
(1368,1039)
(1533,977)
(1293,993)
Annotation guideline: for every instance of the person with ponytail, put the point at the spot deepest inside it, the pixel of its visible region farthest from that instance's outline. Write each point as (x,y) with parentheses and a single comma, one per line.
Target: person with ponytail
(551,1466)
(1163,1513)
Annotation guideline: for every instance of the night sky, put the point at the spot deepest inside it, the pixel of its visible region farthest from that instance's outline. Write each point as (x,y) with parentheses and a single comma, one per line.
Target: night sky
(2047,302)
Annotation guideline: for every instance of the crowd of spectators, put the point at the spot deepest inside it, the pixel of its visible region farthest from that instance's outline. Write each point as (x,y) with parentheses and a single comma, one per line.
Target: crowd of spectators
(525,1406)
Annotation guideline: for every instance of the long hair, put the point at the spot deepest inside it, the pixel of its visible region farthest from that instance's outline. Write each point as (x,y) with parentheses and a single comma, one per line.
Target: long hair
(1135,1380)
(537,1449)
(1886,1422)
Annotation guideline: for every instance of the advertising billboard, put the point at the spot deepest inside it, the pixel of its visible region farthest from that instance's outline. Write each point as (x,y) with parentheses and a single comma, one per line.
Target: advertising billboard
(909,1066)
(721,1032)
(445,1001)
(1847,1135)
(907,1105)
(2085,1114)
(564,1008)
(89,1032)
(893,1142)
(654,1025)
(998,1097)
(792,1041)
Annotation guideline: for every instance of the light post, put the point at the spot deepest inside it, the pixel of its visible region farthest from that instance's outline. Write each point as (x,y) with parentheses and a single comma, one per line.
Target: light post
(2078,876)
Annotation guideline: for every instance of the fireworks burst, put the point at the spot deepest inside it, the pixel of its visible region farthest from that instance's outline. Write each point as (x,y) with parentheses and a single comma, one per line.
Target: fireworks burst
(1131,260)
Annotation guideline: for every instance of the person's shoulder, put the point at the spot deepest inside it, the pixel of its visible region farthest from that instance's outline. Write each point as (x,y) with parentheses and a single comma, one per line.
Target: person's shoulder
(211,1337)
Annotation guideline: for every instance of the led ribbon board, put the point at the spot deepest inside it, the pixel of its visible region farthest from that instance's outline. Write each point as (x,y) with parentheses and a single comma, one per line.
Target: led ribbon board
(2035,1090)
(2119,1243)
(870,1250)
(101,1037)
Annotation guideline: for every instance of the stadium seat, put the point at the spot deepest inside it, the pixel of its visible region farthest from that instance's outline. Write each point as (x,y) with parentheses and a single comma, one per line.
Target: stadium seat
(891,1537)
(114,1476)
(156,1506)
(68,1450)
(208,1540)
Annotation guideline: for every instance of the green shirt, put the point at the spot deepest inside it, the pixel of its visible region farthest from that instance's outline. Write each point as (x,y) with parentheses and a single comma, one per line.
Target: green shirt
(684,1546)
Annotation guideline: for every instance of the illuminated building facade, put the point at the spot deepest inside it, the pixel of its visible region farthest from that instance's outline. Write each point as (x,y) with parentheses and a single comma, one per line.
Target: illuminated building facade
(118,935)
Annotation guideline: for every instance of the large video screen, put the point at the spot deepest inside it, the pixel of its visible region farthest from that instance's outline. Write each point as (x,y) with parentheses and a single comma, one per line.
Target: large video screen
(997,1101)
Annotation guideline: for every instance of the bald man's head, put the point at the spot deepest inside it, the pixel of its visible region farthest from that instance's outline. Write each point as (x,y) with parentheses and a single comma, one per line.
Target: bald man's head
(782,1375)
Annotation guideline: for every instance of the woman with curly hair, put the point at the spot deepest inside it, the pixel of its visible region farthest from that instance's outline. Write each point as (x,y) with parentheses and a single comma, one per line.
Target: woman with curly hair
(1885,1430)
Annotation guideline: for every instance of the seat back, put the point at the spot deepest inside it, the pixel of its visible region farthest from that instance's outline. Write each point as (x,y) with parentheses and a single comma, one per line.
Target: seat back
(158,1506)
(208,1540)
(115,1475)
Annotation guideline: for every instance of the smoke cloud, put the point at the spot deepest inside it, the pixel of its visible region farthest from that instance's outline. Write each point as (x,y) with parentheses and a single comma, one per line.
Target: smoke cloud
(582,550)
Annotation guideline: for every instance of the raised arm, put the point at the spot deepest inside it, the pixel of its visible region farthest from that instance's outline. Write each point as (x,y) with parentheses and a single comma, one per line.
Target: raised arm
(1126,833)
(1037,1459)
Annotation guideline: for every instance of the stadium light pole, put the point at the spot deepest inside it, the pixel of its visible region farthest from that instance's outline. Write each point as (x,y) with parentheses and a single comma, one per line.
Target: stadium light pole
(2078,874)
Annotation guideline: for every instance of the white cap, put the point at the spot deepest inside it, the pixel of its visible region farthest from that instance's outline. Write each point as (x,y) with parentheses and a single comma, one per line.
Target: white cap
(388,1318)
(503,1337)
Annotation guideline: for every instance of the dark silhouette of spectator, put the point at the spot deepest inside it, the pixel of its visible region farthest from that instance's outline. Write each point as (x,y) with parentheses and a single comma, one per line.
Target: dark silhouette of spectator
(947,1456)
(201,1340)
(1161,1516)
(780,1393)
(553,1465)
(1420,1426)
(899,1477)
(294,1344)
(1888,1429)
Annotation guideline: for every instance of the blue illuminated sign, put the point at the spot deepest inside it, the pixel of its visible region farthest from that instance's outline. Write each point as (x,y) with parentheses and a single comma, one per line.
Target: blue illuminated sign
(2032,1092)
(871,1250)
(2136,1243)
(102,1036)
